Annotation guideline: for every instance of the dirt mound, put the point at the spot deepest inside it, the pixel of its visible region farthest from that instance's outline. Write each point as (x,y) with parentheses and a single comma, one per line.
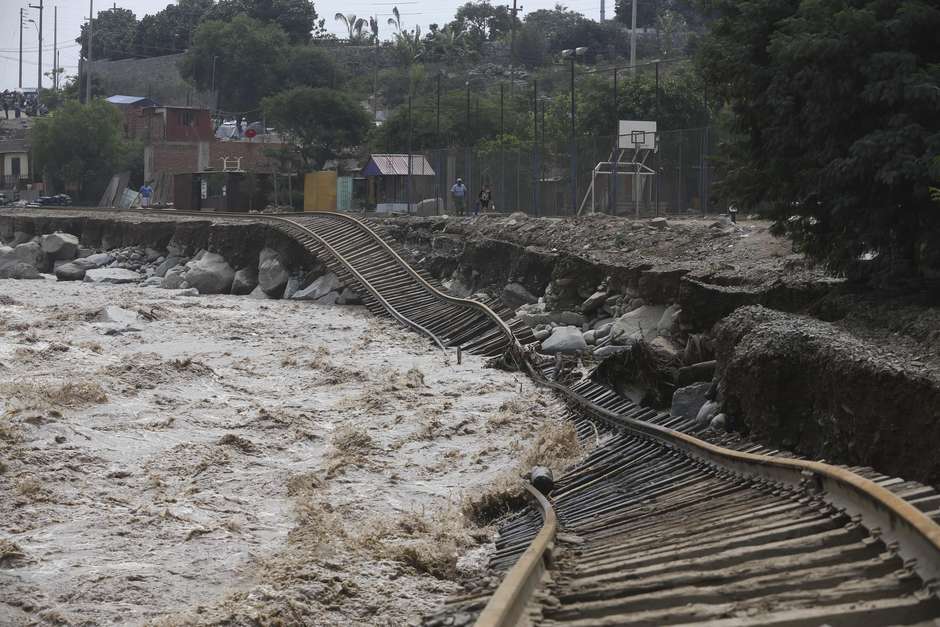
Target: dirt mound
(813,388)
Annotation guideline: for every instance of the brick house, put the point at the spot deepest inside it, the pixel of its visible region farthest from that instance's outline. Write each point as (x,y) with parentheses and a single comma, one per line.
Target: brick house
(181,140)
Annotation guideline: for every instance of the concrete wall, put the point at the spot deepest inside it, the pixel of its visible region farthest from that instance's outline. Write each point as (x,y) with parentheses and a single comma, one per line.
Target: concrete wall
(156,77)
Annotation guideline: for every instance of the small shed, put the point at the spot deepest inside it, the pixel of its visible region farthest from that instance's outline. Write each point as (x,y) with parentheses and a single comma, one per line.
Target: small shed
(388,186)
(132,101)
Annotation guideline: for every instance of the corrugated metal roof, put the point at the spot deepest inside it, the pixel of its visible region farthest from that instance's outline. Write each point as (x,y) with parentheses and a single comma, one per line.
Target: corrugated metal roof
(130,100)
(397,165)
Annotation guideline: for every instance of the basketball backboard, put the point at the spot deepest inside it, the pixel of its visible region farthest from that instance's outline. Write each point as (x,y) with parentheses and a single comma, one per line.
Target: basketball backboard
(637,134)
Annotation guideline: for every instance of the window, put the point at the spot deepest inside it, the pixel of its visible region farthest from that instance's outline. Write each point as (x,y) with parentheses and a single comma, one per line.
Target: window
(15,166)
(187,118)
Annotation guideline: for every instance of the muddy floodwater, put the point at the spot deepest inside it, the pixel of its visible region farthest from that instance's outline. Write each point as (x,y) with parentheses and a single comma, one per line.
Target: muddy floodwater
(171,460)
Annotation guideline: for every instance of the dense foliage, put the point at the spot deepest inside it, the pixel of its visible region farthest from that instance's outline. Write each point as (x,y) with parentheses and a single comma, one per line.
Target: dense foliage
(81,146)
(835,113)
(319,121)
(119,35)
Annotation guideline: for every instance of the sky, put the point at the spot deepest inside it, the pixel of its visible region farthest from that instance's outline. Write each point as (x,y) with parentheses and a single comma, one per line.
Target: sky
(71,14)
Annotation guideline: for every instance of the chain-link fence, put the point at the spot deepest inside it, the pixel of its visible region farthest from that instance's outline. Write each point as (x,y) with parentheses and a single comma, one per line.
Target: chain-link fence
(519,133)
(674,179)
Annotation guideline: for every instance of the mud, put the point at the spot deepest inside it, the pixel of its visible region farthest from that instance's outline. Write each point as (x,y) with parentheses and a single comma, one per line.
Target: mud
(234,461)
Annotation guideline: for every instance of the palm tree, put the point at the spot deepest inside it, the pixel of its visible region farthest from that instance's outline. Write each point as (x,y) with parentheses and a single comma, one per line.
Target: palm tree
(396,21)
(353,24)
(374,27)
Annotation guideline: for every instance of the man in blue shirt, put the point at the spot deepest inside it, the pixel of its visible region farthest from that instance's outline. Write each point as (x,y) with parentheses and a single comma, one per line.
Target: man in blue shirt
(145,193)
(459,192)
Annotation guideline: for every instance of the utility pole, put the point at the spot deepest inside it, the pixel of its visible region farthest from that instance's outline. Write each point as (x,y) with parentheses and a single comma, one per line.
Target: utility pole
(20,84)
(536,169)
(440,155)
(88,58)
(603,12)
(613,169)
(633,40)
(55,47)
(39,69)
(512,43)
(502,151)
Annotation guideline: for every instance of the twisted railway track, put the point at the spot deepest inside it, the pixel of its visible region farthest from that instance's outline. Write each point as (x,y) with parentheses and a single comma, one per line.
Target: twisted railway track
(658,526)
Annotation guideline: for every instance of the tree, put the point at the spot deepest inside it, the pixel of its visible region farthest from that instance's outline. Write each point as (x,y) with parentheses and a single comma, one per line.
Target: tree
(483,22)
(80,147)
(250,60)
(115,33)
(321,122)
(835,119)
(170,30)
(309,66)
(355,25)
(297,18)
(681,105)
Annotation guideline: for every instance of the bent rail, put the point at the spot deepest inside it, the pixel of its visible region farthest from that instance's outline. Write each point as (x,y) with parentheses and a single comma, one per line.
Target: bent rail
(508,603)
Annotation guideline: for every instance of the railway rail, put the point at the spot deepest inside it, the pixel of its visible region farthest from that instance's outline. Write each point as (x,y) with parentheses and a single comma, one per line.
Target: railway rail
(658,526)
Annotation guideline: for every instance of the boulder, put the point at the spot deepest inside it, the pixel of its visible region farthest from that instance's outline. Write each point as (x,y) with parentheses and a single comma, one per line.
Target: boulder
(634,303)
(74,270)
(318,289)
(272,274)
(641,323)
(20,237)
(664,350)
(170,262)
(245,281)
(609,351)
(294,283)
(590,337)
(594,302)
(702,371)
(60,245)
(688,400)
(211,274)
(99,260)
(84,252)
(603,330)
(112,276)
(259,293)
(31,253)
(659,223)
(328,299)
(13,269)
(541,332)
(348,297)
(173,279)
(669,323)
(119,315)
(515,295)
(707,411)
(719,422)
(564,340)
(152,281)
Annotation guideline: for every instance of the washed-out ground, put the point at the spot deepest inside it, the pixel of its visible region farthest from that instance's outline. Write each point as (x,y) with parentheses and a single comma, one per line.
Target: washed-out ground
(224,460)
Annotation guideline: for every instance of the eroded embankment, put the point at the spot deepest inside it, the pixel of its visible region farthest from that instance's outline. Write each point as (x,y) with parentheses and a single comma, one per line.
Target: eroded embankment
(854,390)
(239,242)
(816,389)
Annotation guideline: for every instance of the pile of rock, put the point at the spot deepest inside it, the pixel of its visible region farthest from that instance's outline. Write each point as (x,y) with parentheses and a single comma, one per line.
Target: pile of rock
(206,272)
(606,322)
(612,322)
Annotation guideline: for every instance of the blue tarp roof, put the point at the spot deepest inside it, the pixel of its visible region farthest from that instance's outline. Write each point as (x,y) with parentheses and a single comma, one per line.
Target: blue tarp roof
(141,101)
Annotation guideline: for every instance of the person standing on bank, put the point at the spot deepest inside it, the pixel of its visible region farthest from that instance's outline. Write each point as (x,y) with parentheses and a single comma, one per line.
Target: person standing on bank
(459,192)
(145,193)
(486,196)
